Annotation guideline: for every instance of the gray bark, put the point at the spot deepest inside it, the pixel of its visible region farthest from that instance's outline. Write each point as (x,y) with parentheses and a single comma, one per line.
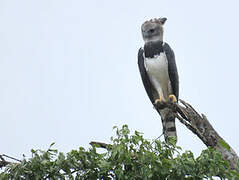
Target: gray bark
(200,126)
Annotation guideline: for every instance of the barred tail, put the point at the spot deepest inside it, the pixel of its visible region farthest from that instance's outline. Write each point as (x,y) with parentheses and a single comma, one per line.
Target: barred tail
(168,121)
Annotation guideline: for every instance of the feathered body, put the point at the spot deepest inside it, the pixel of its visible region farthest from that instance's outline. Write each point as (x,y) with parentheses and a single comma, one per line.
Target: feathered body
(158,71)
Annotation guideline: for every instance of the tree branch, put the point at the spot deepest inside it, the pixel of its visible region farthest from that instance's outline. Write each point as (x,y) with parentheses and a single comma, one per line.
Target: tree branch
(100,144)
(200,126)
(3,162)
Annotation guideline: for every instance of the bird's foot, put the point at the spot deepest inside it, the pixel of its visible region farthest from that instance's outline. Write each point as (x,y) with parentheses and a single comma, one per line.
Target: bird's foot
(172,98)
(160,102)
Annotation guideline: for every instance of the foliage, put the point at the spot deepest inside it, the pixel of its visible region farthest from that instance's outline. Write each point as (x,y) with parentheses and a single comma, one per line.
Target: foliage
(128,157)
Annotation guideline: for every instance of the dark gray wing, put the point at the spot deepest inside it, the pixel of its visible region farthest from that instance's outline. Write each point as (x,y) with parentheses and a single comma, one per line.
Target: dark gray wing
(172,69)
(144,76)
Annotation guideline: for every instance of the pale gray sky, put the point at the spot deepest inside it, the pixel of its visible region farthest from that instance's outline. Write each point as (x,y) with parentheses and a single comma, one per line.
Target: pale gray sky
(68,70)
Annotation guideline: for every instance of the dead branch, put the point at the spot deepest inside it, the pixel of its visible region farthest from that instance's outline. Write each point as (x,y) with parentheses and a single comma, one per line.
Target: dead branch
(200,126)
(100,144)
(3,162)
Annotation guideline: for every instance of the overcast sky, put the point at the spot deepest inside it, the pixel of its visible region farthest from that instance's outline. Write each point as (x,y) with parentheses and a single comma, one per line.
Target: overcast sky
(68,70)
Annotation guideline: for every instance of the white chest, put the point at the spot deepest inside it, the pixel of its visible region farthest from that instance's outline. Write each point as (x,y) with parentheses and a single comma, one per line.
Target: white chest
(157,70)
(157,65)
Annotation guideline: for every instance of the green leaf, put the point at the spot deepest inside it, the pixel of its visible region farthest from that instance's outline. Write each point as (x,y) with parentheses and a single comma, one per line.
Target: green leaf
(172,140)
(130,156)
(52,144)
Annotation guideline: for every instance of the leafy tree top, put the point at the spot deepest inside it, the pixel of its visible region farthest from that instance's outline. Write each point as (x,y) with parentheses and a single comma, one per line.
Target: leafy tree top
(129,156)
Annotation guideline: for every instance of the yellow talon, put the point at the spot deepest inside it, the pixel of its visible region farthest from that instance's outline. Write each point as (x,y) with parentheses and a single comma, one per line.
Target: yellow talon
(157,101)
(172,98)
(160,100)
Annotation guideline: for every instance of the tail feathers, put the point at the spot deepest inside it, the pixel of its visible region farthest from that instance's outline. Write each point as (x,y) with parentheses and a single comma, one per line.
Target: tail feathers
(168,121)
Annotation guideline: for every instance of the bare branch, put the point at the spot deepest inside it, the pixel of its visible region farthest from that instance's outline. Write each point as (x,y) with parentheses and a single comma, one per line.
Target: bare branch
(200,126)
(102,145)
(3,162)
(4,155)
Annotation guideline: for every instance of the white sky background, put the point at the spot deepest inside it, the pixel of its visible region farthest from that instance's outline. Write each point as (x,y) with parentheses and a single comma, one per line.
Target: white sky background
(68,70)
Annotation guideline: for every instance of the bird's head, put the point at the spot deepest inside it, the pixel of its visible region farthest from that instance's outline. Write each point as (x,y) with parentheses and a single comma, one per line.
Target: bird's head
(152,30)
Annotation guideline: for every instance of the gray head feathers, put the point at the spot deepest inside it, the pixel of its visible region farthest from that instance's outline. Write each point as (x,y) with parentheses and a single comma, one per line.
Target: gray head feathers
(152,30)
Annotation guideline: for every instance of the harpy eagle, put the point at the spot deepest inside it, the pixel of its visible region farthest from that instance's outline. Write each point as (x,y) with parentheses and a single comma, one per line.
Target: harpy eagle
(158,71)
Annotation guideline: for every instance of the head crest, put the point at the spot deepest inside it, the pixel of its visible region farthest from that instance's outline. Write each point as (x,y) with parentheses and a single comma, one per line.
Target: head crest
(157,20)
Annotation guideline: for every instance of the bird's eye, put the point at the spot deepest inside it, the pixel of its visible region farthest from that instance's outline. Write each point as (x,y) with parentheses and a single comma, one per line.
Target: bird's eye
(151,30)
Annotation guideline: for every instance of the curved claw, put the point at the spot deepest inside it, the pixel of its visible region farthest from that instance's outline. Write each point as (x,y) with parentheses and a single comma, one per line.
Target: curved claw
(160,102)
(172,98)
(157,101)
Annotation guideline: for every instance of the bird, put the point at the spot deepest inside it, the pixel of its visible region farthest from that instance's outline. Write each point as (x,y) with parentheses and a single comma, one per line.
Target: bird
(158,70)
